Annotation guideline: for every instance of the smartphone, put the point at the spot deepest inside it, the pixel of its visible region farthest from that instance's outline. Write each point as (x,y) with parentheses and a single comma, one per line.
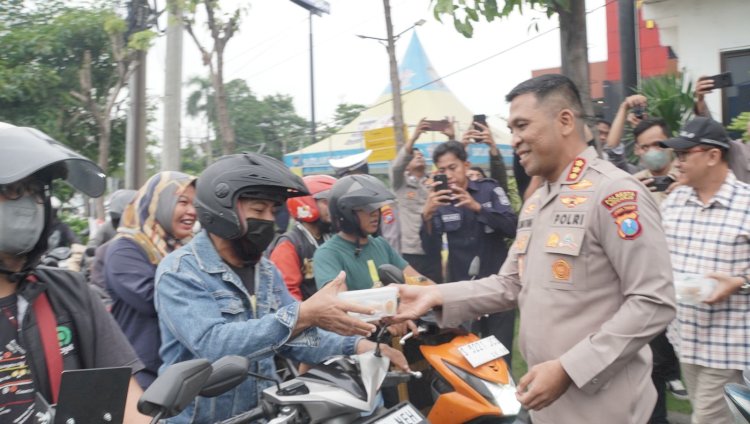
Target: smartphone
(438,125)
(482,119)
(443,180)
(722,80)
(661,182)
(638,112)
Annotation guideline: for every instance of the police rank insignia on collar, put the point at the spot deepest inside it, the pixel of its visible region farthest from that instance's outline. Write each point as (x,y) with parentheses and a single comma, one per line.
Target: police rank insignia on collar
(575,170)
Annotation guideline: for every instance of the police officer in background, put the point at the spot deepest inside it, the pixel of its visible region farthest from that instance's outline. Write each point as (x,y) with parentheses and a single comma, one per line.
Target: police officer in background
(589,269)
(477,218)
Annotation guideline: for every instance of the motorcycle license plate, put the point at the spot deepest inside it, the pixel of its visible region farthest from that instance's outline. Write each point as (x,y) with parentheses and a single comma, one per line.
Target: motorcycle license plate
(403,413)
(483,351)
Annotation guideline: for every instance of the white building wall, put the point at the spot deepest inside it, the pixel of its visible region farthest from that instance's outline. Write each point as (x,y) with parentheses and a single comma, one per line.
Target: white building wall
(698,31)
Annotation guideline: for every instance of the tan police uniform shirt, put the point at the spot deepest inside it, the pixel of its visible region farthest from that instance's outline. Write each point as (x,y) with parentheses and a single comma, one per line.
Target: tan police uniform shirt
(591,273)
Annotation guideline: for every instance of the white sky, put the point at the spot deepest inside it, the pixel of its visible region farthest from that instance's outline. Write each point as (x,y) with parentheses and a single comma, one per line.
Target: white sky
(271,52)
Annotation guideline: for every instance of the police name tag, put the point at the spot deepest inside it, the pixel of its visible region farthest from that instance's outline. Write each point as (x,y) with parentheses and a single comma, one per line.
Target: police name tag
(483,351)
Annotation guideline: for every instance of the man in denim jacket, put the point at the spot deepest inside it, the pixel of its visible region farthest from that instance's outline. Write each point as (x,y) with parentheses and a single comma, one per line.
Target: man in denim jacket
(218,296)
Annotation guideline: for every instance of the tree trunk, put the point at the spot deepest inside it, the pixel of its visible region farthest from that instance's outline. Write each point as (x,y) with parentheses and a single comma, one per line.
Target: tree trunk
(398,113)
(574,50)
(226,131)
(105,135)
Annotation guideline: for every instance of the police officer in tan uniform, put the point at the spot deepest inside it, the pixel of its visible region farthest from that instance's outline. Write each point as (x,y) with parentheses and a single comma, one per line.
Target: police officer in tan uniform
(589,269)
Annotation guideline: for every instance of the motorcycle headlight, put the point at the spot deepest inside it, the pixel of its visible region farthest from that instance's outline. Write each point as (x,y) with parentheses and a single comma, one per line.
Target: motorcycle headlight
(501,395)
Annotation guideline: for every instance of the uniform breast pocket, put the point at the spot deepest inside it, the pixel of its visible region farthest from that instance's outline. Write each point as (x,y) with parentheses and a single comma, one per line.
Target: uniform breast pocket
(564,258)
(230,305)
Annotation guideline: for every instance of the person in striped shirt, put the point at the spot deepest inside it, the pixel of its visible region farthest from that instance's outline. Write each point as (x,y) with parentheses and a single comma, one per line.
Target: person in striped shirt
(707,224)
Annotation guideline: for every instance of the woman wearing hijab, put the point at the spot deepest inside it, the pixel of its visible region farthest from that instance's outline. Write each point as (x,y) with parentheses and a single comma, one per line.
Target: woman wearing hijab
(157,221)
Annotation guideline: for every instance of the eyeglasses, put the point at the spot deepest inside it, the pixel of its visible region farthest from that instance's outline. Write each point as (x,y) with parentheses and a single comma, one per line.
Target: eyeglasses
(14,191)
(682,155)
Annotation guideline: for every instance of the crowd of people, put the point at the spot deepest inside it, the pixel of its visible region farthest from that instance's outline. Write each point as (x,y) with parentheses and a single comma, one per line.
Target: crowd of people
(589,262)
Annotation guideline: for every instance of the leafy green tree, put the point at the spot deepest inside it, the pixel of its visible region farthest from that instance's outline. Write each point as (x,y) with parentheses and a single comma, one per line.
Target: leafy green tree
(669,98)
(62,70)
(221,27)
(572,17)
(269,125)
(345,113)
(741,124)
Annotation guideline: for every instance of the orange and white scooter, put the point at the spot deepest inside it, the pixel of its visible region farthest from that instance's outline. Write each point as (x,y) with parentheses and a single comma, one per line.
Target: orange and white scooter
(469,380)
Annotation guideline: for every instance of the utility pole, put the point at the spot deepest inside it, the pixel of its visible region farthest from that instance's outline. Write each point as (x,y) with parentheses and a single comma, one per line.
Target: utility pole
(628,69)
(398,112)
(170,152)
(312,87)
(135,139)
(314,7)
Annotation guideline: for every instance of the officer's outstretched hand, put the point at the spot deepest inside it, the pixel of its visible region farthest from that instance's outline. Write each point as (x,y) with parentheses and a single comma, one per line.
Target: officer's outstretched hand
(326,310)
(542,385)
(415,301)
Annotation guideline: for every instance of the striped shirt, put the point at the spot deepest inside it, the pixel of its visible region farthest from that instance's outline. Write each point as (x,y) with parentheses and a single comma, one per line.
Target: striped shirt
(712,237)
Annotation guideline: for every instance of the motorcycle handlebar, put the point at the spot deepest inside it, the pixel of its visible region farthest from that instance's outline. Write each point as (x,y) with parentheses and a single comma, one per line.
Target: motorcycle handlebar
(394,378)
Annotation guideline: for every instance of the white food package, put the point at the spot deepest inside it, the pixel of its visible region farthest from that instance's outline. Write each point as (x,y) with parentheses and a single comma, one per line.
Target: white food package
(693,288)
(384,301)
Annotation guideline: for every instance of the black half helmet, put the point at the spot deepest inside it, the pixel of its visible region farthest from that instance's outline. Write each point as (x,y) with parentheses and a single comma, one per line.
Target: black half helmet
(248,174)
(356,192)
(25,151)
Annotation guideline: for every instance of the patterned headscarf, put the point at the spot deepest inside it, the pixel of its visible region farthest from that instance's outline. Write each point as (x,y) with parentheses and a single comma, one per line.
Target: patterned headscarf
(147,219)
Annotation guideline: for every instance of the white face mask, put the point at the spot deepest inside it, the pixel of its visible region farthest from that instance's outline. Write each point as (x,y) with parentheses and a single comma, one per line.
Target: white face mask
(21,224)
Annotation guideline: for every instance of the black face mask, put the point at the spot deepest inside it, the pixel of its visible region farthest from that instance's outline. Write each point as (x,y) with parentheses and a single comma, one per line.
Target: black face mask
(259,235)
(324,227)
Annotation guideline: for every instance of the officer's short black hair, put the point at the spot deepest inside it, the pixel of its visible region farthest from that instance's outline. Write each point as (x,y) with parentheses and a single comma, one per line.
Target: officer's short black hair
(452,146)
(480,170)
(651,122)
(545,86)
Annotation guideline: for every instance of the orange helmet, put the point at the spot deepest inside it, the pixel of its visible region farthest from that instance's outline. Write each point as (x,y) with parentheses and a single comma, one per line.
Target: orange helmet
(304,208)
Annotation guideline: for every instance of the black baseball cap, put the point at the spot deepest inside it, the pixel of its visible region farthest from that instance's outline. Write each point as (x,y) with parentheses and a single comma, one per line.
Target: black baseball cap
(700,131)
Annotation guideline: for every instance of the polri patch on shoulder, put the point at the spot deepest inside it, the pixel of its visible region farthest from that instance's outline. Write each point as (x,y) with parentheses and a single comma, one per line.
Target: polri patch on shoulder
(626,220)
(387,214)
(619,197)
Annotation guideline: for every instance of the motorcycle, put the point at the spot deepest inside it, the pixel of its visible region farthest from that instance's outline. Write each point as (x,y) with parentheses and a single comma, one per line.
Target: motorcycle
(738,398)
(343,389)
(469,380)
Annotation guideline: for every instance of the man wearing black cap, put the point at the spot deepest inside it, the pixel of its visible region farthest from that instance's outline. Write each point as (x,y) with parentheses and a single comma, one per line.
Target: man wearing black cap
(706,224)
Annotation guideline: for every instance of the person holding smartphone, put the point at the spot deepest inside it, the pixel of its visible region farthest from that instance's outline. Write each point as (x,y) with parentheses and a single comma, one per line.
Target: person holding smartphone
(655,163)
(409,179)
(480,132)
(477,219)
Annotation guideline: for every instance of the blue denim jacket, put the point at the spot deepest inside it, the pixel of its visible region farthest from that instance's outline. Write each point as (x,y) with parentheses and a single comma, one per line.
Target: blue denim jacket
(205,312)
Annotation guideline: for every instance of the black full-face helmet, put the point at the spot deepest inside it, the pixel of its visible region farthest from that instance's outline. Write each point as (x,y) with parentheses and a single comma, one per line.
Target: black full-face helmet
(247,174)
(355,192)
(26,151)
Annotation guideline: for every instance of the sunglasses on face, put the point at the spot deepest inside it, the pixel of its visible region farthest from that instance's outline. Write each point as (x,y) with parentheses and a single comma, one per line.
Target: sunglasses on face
(14,191)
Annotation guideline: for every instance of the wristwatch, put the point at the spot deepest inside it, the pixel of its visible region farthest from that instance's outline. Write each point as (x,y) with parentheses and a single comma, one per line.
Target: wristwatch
(745,287)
